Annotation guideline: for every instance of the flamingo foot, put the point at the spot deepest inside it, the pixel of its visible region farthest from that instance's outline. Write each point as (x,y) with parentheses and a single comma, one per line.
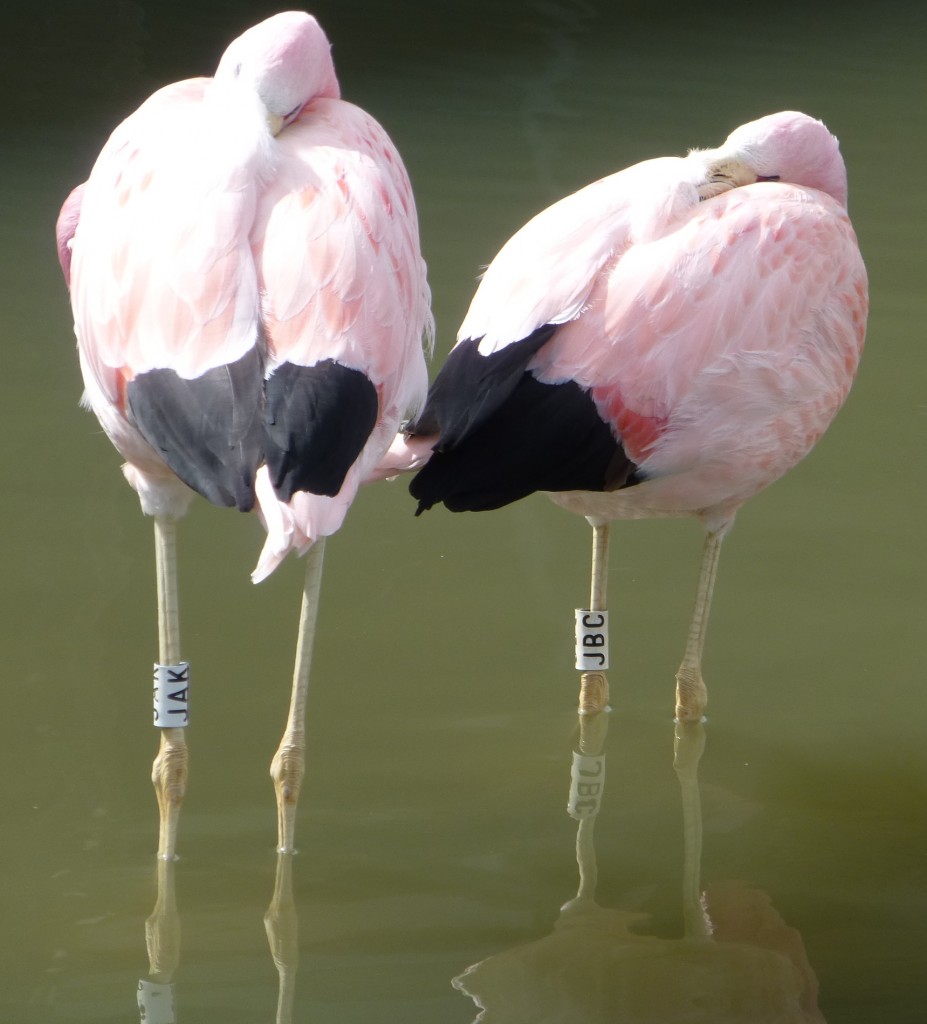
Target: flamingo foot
(169,776)
(593,693)
(691,694)
(287,769)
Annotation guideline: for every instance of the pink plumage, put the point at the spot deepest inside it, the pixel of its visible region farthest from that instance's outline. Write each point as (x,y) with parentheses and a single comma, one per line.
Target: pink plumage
(231,226)
(666,341)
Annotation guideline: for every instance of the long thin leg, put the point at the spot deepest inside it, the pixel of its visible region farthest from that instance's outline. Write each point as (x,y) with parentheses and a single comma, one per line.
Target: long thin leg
(593,686)
(288,764)
(598,592)
(691,695)
(169,771)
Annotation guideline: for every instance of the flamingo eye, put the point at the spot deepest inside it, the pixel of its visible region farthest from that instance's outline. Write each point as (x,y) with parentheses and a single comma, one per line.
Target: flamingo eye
(767,177)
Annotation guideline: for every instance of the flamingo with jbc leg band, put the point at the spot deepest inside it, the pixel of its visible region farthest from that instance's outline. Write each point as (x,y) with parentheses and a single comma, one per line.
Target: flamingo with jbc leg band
(667,341)
(250,302)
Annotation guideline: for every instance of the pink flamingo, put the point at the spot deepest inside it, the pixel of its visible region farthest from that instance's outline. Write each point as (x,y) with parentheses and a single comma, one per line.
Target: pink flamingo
(250,302)
(667,341)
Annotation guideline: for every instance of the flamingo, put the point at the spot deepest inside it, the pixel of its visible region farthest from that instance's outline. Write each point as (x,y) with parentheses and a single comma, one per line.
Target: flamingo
(250,304)
(667,341)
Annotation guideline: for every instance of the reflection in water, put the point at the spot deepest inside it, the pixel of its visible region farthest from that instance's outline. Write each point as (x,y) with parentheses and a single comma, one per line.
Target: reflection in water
(736,963)
(162,937)
(156,1003)
(282,928)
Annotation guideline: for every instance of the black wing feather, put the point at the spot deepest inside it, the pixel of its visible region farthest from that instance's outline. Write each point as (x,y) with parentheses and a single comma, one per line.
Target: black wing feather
(470,386)
(317,420)
(208,428)
(542,437)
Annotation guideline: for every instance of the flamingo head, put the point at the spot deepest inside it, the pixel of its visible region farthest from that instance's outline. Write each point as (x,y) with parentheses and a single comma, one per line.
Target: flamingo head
(788,146)
(285,62)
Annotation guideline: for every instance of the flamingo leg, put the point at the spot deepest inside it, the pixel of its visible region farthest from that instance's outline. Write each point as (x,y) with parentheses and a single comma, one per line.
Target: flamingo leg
(288,764)
(691,694)
(593,686)
(169,770)
(598,591)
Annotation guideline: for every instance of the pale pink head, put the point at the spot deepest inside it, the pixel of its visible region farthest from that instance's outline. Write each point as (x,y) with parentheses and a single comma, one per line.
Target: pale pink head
(790,146)
(286,60)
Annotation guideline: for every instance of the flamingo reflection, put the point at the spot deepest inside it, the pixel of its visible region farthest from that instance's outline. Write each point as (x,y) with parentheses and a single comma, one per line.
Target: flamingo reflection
(737,961)
(157,1002)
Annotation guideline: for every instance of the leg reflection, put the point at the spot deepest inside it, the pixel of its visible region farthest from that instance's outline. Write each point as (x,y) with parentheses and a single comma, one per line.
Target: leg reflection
(162,938)
(736,962)
(688,746)
(282,927)
(156,993)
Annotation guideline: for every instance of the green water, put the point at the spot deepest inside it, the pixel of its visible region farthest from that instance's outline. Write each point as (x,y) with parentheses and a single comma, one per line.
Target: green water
(433,830)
